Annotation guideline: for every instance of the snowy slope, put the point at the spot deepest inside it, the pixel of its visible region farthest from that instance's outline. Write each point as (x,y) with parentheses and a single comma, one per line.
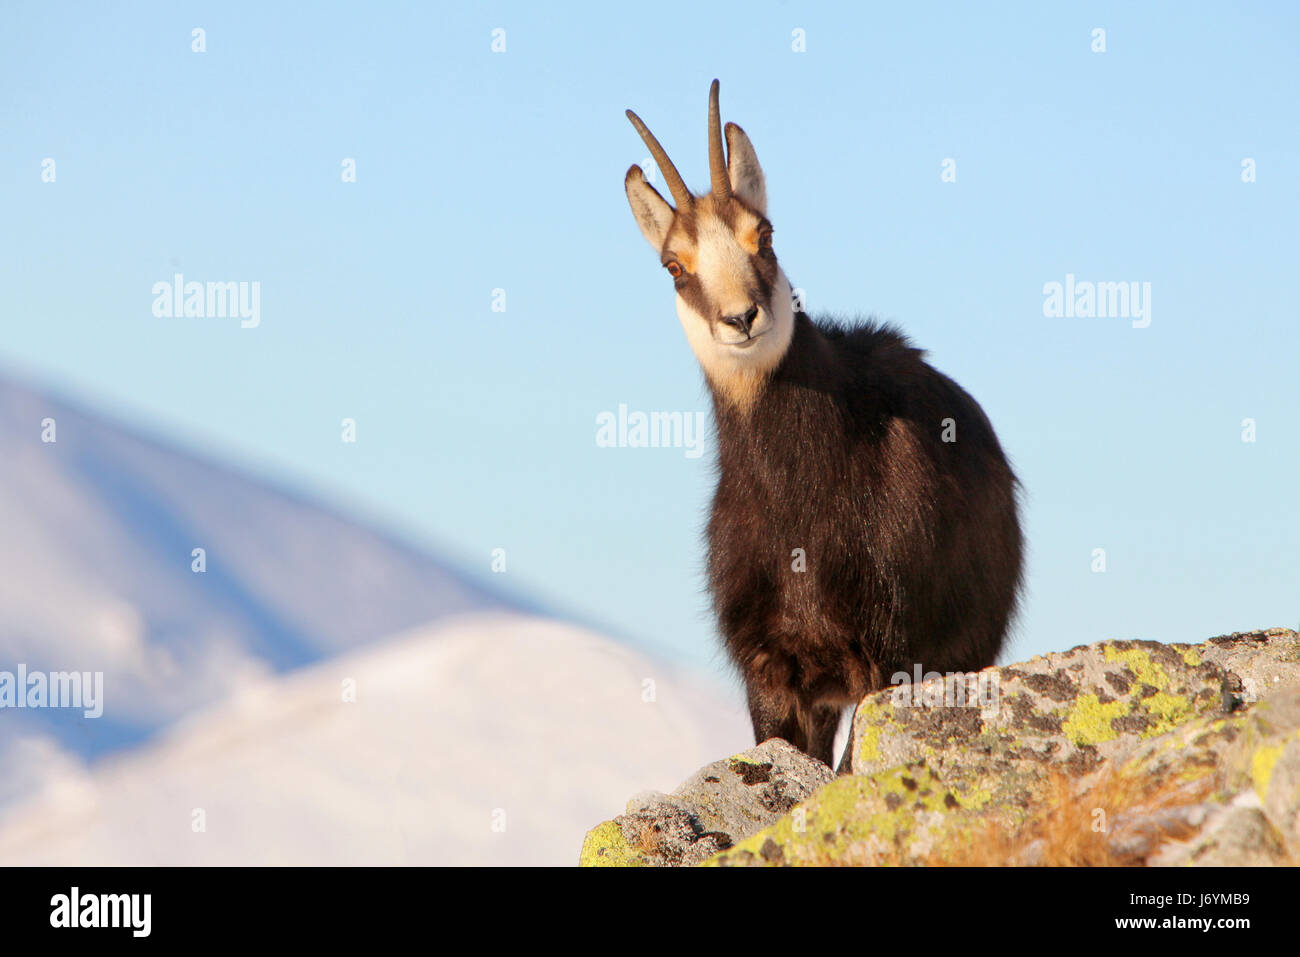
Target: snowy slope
(483,719)
(96,534)
(223,691)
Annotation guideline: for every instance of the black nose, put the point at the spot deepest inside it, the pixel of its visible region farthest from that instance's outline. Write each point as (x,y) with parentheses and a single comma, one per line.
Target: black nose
(742,321)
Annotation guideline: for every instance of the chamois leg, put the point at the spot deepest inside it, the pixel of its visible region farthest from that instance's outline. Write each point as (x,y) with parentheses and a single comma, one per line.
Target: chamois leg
(773,715)
(846,762)
(875,682)
(822,722)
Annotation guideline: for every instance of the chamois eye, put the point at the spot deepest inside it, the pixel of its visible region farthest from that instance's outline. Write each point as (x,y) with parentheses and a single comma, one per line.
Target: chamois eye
(674,268)
(765,239)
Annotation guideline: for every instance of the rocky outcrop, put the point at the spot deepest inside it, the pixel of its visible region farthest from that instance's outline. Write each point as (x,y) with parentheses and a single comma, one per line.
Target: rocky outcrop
(719,805)
(1122,752)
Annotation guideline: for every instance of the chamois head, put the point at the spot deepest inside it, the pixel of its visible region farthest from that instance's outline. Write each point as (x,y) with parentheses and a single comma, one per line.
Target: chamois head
(733,300)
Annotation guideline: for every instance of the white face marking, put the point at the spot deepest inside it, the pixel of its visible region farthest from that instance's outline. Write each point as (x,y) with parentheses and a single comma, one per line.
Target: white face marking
(738,369)
(724,272)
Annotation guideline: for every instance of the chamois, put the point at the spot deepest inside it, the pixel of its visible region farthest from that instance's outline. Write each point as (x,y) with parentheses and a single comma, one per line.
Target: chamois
(865,517)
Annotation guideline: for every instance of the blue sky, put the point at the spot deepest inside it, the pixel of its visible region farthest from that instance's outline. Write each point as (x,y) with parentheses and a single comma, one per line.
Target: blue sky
(479,171)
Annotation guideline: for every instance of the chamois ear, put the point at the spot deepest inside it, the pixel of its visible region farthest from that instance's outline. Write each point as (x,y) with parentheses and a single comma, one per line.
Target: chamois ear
(746,176)
(652,212)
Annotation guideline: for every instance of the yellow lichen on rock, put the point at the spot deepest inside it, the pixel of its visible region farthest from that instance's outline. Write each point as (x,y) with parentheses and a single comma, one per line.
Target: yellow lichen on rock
(605,846)
(1089,721)
(1118,753)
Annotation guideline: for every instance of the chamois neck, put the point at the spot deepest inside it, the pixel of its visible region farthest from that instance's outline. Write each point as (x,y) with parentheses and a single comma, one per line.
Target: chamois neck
(807,363)
(737,376)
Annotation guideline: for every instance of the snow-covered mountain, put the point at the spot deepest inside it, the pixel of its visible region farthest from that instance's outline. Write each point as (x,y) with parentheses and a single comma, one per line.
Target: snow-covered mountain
(490,739)
(222,689)
(97,534)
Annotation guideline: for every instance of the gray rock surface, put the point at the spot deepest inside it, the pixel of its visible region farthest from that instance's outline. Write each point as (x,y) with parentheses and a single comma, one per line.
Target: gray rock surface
(1260,661)
(1122,752)
(716,807)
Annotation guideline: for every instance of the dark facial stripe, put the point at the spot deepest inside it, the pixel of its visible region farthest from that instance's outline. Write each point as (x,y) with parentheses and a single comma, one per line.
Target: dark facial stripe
(761,267)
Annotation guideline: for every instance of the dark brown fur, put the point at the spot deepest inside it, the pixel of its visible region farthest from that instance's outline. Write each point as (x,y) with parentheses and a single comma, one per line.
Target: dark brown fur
(913,547)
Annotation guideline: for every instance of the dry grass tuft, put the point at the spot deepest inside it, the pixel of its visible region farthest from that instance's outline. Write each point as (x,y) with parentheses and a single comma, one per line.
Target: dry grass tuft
(1111,821)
